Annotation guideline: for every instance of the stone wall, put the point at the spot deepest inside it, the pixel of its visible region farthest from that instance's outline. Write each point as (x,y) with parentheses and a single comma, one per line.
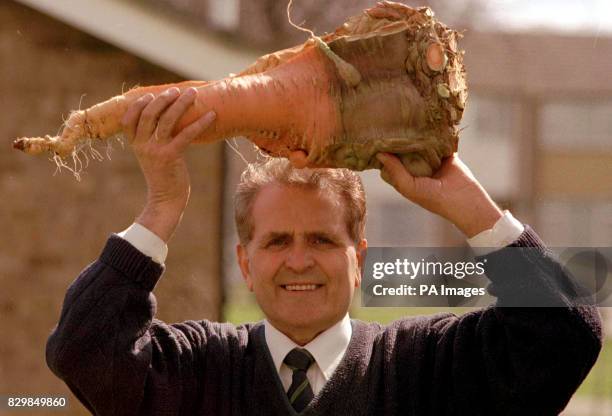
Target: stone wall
(53,226)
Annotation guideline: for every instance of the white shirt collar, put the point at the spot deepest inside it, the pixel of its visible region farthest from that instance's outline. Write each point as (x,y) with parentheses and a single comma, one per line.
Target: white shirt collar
(327,348)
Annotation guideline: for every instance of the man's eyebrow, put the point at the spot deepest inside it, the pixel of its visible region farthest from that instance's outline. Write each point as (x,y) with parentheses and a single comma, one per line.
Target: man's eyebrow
(284,234)
(276,234)
(326,234)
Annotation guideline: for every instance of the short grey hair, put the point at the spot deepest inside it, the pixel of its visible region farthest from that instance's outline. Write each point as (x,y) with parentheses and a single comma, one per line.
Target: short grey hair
(345,183)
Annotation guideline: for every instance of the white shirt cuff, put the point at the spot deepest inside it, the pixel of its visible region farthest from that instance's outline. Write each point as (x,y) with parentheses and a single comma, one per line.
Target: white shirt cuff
(505,231)
(146,241)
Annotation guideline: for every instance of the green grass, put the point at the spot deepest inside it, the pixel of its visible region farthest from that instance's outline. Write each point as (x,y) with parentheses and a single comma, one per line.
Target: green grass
(238,313)
(599,381)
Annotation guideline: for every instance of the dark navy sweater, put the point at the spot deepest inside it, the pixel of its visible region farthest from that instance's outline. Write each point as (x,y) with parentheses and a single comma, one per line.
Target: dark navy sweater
(119,360)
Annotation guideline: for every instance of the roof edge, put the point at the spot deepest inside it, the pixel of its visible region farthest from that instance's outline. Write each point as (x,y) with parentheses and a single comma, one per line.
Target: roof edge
(152,35)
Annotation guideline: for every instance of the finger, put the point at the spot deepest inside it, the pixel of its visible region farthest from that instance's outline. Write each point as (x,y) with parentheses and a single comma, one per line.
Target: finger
(191,132)
(298,159)
(448,164)
(129,122)
(395,174)
(171,116)
(151,113)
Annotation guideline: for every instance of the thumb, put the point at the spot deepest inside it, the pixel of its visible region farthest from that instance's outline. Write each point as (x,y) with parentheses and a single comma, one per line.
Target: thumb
(298,158)
(395,174)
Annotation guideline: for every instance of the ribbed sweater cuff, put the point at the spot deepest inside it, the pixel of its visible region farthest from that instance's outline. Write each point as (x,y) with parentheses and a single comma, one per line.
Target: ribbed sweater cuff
(131,262)
(519,272)
(528,238)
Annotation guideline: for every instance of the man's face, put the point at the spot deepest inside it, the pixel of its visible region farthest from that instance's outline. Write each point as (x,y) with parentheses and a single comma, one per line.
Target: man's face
(301,262)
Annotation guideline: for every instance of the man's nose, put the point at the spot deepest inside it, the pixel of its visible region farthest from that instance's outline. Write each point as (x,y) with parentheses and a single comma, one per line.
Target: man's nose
(299,259)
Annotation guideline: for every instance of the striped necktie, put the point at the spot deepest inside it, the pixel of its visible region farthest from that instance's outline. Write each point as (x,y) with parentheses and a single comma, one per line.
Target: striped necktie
(300,391)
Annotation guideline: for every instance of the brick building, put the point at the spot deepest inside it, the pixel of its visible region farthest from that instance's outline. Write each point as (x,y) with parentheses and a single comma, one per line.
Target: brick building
(53,226)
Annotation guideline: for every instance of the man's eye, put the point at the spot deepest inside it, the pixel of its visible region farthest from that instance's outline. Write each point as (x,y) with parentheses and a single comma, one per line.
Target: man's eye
(276,242)
(322,241)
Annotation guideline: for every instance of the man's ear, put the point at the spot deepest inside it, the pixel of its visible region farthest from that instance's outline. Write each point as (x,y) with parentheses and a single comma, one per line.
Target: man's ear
(362,251)
(243,262)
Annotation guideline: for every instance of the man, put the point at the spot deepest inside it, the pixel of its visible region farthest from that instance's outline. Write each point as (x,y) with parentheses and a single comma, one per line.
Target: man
(301,249)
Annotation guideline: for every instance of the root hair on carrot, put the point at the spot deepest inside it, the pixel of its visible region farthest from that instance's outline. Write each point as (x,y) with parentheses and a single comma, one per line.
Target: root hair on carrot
(81,100)
(85,150)
(234,147)
(109,150)
(347,71)
(94,152)
(59,130)
(119,138)
(303,29)
(86,158)
(59,162)
(262,156)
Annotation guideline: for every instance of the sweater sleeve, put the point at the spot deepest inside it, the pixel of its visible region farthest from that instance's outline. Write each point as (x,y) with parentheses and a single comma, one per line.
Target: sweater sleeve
(516,360)
(112,353)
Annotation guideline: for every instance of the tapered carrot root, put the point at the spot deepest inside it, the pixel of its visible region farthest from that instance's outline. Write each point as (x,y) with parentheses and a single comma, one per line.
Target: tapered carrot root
(388,80)
(100,122)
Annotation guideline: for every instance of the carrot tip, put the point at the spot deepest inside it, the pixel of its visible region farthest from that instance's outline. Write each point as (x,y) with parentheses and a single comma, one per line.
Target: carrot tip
(19,144)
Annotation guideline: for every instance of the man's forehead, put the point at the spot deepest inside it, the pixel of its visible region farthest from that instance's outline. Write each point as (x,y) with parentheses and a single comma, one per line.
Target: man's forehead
(296,195)
(282,208)
(294,233)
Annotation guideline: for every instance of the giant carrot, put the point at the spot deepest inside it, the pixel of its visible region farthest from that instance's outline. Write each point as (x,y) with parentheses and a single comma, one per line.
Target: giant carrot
(390,79)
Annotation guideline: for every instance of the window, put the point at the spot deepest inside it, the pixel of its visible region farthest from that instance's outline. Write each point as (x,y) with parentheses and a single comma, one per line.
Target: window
(575,223)
(393,221)
(488,144)
(224,14)
(575,125)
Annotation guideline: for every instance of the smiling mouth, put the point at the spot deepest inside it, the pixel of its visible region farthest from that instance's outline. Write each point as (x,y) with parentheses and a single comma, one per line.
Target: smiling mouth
(301,288)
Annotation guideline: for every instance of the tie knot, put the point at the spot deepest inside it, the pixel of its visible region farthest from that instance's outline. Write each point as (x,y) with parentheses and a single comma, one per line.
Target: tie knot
(299,359)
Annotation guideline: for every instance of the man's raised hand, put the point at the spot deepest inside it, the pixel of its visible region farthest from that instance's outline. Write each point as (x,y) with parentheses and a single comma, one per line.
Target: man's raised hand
(149,124)
(452,192)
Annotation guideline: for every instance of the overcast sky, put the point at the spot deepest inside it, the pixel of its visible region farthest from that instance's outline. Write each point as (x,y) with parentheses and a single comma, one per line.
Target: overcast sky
(593,16)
